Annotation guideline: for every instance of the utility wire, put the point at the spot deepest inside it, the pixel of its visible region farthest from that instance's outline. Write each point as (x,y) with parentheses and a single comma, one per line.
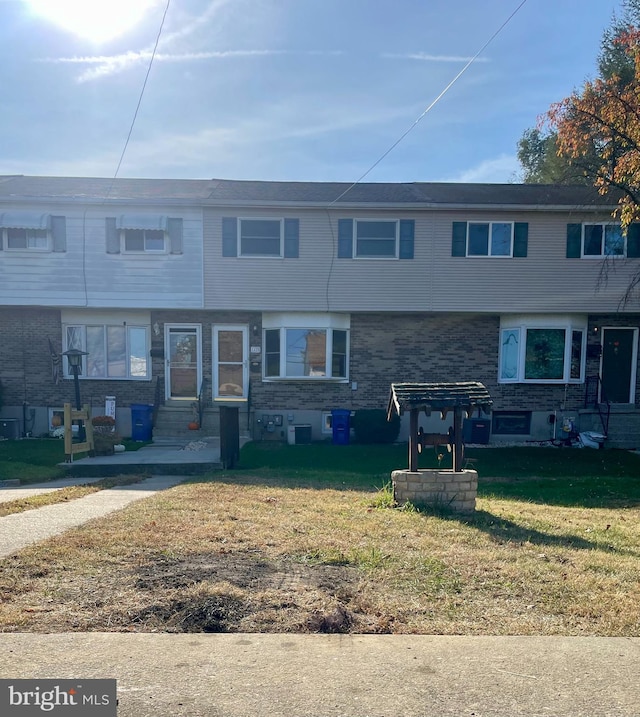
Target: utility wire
(144,86)
(433,104)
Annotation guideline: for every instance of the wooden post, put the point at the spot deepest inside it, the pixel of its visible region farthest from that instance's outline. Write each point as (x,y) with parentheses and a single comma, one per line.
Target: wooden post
(413,440)
(70,447)
(457,439)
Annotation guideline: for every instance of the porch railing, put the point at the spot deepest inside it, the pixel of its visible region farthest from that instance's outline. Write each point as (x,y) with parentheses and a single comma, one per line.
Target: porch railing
(594,397)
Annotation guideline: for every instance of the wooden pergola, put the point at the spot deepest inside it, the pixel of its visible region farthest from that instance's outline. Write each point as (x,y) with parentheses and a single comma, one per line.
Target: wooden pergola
(462,398)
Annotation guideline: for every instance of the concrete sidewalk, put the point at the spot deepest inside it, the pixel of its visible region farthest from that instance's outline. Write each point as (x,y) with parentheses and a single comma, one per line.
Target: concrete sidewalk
(22,529)
(248,675)
(12,492)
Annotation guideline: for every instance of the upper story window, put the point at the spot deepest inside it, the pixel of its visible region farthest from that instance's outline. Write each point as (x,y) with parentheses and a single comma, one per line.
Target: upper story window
(306,346)
(258,238)
(143,240)
(602,240)
(144,234)
(491,239)
(32,232)
(376,238)
(261,237)
(542,349)
(32,239)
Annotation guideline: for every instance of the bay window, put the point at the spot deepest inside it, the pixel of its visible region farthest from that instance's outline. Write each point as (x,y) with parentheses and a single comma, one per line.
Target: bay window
(305,346)
(542,349)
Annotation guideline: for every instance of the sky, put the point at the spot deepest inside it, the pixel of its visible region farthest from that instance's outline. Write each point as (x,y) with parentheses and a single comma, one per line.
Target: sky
(307,90)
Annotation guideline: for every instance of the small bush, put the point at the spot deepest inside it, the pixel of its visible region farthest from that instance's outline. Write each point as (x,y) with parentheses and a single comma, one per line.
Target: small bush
(370,425)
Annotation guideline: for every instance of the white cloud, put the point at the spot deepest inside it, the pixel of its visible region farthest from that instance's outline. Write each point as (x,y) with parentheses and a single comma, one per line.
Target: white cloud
(425,57)
(502,169)
(110,64)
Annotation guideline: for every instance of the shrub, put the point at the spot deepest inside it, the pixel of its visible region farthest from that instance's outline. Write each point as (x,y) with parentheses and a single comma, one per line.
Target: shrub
(370,425)
(103,421)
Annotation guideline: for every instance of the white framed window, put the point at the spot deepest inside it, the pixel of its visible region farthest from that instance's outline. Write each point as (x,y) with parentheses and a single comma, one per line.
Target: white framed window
(118,351)
(542,349)
(490,239)
(306,346)
(599,240)
(261,237)
(143,240)
(26,239)
(375,239)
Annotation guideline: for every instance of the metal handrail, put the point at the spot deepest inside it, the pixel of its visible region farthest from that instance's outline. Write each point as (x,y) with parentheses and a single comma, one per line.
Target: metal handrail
(594,396)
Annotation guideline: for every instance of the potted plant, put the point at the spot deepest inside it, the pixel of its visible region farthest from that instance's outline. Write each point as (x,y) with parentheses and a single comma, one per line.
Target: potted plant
(104,435)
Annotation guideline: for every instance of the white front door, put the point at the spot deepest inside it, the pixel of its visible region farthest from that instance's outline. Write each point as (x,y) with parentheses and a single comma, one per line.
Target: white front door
(230,362)
(183,354)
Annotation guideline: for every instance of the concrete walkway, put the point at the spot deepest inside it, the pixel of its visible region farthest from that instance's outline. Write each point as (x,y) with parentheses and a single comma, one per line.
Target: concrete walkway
(19,530)
(248,675)
(10,492)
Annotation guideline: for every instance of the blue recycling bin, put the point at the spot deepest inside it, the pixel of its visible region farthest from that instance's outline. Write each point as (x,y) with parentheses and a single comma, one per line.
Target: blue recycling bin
(141,421)
(340,424)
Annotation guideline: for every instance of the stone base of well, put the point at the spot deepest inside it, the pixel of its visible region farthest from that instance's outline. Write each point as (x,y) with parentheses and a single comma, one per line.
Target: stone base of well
(442,489)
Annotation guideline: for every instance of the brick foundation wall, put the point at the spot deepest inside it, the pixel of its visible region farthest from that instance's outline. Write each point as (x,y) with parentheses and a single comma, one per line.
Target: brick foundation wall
(437,489)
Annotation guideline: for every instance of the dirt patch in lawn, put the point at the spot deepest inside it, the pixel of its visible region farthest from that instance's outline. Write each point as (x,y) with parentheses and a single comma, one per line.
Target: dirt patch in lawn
(231,593)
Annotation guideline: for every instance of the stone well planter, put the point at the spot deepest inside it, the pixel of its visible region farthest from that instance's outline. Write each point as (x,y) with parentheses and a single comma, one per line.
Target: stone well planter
(441,489)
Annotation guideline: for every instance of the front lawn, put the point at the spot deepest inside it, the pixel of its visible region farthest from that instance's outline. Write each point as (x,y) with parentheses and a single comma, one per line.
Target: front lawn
(296,547)
(33,460)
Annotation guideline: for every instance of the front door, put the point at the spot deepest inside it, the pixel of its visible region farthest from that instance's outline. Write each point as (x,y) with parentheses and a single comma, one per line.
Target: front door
(619,355)
(230,364)
(183,362)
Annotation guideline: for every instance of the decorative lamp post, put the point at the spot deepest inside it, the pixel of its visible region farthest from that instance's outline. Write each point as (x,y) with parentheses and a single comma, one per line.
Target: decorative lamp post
(74,359)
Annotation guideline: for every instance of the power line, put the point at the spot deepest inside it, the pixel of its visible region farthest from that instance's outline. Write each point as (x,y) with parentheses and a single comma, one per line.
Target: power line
(144,86)
(433,104)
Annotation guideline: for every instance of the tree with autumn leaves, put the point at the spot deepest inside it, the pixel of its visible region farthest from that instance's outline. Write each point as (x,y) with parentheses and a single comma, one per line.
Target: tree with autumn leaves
(598,129)
(583,138)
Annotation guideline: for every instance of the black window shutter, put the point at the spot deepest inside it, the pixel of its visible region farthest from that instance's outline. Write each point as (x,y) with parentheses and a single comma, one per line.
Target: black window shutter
(291,238)
(229,236)
(113,238)
(174,230)
(345,238)
(407,233)
(574,241)
(459,239)
(633,241)
(520,239)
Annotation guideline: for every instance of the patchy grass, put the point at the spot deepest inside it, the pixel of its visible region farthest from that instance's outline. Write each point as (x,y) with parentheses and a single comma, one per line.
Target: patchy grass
(64,495)
(257,551)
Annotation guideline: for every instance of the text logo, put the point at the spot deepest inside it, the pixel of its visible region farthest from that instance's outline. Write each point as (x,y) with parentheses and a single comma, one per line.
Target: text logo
(62,698)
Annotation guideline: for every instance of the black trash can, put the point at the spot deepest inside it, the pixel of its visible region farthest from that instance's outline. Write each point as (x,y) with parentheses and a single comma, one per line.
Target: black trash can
(476,430)
(141,421)
(340,425)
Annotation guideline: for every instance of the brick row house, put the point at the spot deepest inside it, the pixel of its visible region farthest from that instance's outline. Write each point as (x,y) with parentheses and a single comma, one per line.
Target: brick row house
(291,299)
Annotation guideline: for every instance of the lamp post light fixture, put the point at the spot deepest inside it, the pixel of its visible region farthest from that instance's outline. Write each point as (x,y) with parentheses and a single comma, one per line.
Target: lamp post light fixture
(74,359)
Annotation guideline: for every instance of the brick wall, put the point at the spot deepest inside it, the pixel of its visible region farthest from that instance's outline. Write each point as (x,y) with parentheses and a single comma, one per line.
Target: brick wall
(26,371)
